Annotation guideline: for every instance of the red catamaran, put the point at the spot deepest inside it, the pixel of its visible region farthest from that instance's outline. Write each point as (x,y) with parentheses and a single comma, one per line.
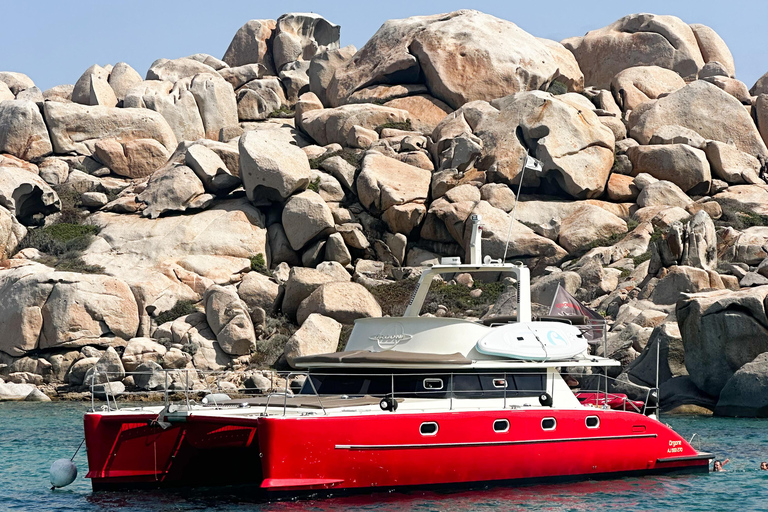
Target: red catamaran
(413,402)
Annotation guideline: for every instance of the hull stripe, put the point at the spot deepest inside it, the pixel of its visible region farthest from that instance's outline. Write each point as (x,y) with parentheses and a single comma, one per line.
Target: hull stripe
(484,443)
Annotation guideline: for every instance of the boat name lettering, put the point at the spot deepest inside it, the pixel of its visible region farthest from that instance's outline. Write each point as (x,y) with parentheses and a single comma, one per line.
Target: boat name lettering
(676,447)
(390,340)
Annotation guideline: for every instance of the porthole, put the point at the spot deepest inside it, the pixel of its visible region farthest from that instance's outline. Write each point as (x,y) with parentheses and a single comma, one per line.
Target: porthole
(548,424)
(428,428)
(433,384)
(592,422)
(500,383)
(501,426)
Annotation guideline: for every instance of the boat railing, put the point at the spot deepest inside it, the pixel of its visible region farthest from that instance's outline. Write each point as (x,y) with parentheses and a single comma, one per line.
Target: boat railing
(604,391)
(191,387)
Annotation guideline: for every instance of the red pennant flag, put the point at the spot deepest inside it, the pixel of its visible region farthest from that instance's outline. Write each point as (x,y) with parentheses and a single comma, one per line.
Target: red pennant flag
(565,304)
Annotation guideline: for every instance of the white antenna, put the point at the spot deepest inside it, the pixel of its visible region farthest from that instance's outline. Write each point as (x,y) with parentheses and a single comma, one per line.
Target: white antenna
(530,163)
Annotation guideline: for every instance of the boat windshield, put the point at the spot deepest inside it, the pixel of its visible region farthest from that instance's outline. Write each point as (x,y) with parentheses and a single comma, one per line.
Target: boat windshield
(430,384)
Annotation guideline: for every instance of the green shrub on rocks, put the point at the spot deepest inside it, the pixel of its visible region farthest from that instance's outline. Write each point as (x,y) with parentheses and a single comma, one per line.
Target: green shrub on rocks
(181,308)
(259,264)
(556,88)
(396,125)
(350,156)
(282,113)
(740,219)
(314,185)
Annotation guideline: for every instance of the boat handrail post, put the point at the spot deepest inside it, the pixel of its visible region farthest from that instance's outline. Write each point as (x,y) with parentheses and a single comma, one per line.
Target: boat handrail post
(285,394)
(165,386)
(186,387)
(106,393)
(93,403)
(450,395)
(314,390)
(506,386)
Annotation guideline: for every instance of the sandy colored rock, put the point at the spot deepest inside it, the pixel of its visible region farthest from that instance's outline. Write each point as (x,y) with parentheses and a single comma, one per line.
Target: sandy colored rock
(451,51)
(76,128)
(344,302)
(22,130)
(271,168)
(47,308)
(16,82)
(300,36)
(636,40)
(425,111)
(216,101)
(11,233)
(333,125)
(308,217)
(174,70)
(681,164)
(82,91)
(132,159)
(636,85)
(662,193)
(404,218)
(211,169)
(175,103)
(732,165)
(229,320)
(577,150)
(700,106)
(317,335)
(252,45)
(142,350)
(303,281)
(322,67)
(122,78)
(26,195)
(173,189)
(713,48)
(385,182)
(587,224)
(258,291)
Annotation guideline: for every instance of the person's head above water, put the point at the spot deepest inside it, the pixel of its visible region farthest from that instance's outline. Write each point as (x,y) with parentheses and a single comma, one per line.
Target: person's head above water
(764,465)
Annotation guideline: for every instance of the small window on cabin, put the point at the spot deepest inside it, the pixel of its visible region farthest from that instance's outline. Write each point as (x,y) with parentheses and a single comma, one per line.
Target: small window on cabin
(501,426)
(433,384)
(500,383)
(428,428)
(592,421)
(548,424)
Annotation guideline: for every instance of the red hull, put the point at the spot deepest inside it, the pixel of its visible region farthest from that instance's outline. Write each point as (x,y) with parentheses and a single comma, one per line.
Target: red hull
(378,451)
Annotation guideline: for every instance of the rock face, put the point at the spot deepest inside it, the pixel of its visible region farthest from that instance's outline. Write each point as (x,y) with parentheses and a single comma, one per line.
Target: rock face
(173,189)
(385,182)
(317,335)
(722,331)
(47,309)
(300,36)
(634,86)
(700,106)
(22,130)
(175,103)
(251,45)
(229,320)
(681,164)
(638,40)
(76,128)
(25,195)
(132,159)
(745,393)
(450,51)
(572,144)
(335,125)
(344,302)
(271,169)
(308,217)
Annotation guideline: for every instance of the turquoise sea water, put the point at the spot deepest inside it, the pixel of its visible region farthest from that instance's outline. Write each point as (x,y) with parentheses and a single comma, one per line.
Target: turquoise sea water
(33,435)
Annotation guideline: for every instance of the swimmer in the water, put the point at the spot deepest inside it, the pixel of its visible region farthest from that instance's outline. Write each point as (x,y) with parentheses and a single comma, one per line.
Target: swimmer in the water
(764,466)
(718,466)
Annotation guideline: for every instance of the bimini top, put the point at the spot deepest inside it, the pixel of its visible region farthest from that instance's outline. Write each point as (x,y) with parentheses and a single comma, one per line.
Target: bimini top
(454,342)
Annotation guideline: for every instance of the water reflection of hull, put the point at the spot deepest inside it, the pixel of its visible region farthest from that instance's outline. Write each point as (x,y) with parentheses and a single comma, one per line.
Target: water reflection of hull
(290,454)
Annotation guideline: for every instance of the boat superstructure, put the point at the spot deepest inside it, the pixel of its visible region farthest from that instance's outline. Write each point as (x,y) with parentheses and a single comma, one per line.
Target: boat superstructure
(412,401)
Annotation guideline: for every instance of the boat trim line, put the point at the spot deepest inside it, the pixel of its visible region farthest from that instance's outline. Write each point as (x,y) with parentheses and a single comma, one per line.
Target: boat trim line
(485,443)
